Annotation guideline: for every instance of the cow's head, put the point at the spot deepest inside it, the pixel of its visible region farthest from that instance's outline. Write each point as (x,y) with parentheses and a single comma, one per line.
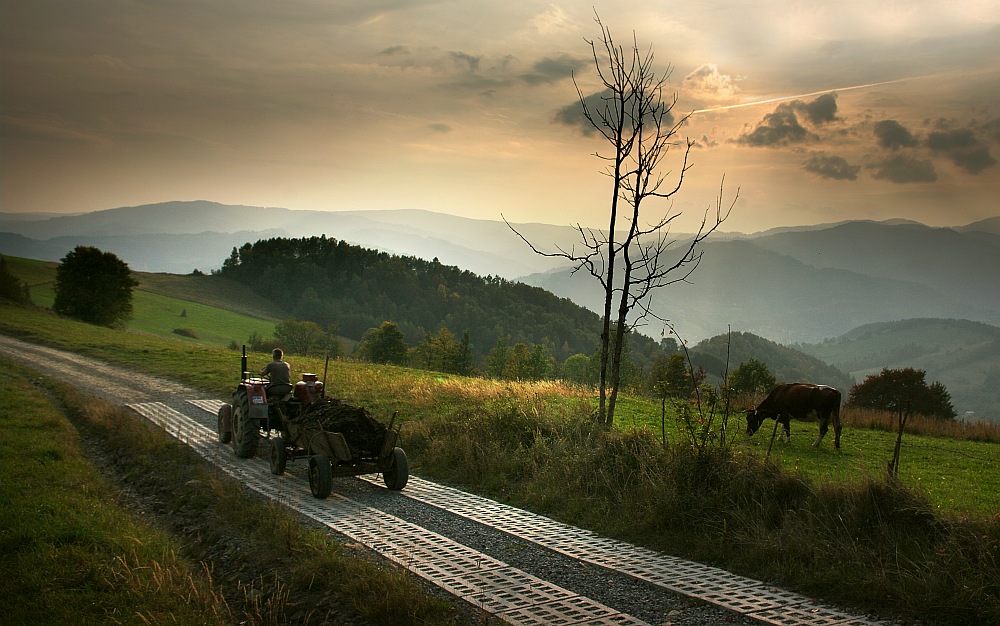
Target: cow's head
(754,420)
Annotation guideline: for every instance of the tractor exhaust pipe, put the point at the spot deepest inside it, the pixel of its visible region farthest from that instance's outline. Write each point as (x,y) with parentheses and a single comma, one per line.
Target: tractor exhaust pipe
(243,363)
(325,367)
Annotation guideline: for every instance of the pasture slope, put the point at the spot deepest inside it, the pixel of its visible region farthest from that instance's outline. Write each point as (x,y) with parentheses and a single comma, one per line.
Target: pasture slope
(960,479)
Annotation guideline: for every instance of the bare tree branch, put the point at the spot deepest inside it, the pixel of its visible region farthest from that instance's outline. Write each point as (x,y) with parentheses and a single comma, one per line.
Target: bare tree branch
(637,125)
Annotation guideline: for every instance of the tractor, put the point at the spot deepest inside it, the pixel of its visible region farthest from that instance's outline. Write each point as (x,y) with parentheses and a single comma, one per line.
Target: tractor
(301,421)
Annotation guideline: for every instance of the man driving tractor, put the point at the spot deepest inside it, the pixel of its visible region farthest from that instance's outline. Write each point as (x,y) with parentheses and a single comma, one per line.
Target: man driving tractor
(279,374)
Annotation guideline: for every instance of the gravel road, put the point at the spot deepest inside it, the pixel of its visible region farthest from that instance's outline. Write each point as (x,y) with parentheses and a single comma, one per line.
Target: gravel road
(643,601)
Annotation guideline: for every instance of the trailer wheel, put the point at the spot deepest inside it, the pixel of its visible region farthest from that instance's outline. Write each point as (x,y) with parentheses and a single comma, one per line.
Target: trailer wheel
(279,456)
(320,475)
(244,427)
(398,472)
(225,424)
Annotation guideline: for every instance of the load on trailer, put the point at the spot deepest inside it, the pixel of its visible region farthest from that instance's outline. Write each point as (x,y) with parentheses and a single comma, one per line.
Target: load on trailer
(301,421)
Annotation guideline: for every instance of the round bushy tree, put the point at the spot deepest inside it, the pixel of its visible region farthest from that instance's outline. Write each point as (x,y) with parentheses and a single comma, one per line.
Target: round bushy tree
(899,390)
(94,286)
(384,344)
(751,377)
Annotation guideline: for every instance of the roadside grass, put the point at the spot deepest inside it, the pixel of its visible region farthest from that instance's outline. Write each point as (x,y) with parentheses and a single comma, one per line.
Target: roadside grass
(925,546)
(209,552)
(72,554)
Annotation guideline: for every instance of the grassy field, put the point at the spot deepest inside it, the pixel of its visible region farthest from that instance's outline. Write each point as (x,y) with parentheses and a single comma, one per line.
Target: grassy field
(960,477)
(214,310)
(926,546)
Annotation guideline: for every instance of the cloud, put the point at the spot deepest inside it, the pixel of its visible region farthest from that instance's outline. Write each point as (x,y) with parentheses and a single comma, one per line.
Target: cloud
(893,135)
(778,128)
(553,20)
(901,168)
(441,128)
(553,69)
(782,127)
(821,110)
(707,82)
(832,167)
(468,61)
(963,148)
(572,114)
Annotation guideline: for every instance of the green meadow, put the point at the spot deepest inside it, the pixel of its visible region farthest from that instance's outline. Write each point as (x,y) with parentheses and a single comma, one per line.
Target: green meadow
(925,546)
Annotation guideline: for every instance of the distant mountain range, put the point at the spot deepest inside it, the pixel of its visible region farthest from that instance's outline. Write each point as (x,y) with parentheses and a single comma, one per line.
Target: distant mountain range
(797,284)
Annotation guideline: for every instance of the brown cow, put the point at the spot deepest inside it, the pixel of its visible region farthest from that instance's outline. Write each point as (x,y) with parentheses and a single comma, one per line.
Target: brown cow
(799,400)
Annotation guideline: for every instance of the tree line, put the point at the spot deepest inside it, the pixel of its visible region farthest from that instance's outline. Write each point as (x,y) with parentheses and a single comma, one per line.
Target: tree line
(330,282)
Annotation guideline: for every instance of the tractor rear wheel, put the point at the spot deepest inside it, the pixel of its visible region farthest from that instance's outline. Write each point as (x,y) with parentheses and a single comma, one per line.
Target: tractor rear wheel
(279,456)
(244,427)
(398,472)
(320,475)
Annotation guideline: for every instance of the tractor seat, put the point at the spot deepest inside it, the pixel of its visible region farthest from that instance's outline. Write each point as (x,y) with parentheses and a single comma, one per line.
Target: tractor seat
(277,391)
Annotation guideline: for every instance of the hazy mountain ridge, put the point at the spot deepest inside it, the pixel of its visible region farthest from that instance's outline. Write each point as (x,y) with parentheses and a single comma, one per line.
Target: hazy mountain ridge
(959,265)
(798,284)
(962,355)
(484,247)
(748,288)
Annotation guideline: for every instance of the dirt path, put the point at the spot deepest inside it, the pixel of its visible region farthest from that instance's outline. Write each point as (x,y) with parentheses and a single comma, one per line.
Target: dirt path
(113,384)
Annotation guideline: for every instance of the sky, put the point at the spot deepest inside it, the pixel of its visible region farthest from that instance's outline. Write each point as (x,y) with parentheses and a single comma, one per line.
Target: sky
(812,111)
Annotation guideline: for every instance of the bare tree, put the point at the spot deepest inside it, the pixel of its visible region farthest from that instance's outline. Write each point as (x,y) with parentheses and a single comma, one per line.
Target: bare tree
(638,126)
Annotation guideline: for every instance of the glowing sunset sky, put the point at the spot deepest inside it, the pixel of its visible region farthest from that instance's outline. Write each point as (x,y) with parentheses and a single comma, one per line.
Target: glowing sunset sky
(818,111)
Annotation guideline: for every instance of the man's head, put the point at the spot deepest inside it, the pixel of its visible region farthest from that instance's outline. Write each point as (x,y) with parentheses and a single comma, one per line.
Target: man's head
(277,353)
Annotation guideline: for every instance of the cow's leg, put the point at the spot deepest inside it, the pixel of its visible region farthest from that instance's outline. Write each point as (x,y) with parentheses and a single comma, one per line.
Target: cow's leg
(823,427)
(836,430)
(786,428)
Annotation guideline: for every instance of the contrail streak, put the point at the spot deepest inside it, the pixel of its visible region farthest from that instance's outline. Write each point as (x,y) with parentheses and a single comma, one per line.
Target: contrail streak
(801,95)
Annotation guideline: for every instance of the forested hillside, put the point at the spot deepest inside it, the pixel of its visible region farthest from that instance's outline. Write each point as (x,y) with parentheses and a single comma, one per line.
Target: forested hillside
(786,364)
(329,281)
(962,355)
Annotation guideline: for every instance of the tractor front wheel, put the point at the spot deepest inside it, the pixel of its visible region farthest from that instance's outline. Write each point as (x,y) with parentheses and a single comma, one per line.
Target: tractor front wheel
(279,456)
(244,427)
(225,423)
(398,472)
(320,475)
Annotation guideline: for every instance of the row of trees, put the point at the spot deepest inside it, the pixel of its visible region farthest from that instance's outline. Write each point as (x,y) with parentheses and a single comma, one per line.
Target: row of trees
(672,375)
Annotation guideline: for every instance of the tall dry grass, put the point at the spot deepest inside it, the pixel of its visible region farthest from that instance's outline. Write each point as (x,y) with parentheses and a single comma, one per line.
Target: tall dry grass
(875,545)
(921,425)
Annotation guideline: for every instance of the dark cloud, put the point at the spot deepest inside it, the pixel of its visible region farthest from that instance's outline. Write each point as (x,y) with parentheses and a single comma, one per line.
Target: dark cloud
(821,110)
(782,127)
(392,51)
(901,168)
(553,69)
(833,167)
(441,128)
(572,114)
(466,60)
(893,135)
(992,129)
(963,148)
(778,128)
